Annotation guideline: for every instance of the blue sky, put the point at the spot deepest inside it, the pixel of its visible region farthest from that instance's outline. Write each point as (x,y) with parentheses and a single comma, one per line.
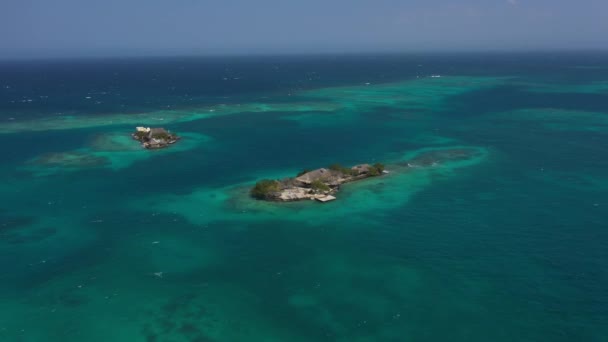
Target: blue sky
(58,28)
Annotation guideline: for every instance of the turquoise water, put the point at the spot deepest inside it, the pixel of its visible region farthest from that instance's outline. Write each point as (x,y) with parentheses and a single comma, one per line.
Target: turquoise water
(496,231)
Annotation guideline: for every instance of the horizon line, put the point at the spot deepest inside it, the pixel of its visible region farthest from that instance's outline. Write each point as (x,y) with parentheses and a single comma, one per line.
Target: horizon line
(306,54)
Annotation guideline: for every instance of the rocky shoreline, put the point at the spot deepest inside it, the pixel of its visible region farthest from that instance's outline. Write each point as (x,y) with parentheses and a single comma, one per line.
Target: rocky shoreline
(320,184)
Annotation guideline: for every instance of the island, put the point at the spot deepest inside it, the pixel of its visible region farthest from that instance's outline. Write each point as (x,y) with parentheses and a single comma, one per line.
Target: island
(154,138)
(320,185)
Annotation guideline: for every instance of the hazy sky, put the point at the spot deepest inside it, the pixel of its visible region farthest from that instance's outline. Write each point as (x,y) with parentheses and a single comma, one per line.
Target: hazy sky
(42,28)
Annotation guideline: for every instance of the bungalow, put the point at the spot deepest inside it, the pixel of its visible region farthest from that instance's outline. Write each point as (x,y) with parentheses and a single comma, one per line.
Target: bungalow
(143,129)
(361,169)
(319,174)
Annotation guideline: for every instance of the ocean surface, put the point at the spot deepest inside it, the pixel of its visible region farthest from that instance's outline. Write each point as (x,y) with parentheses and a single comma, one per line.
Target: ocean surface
(491,226)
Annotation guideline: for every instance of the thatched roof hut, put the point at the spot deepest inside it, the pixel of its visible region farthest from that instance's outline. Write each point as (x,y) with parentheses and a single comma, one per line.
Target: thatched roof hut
(361,168)
(319,174)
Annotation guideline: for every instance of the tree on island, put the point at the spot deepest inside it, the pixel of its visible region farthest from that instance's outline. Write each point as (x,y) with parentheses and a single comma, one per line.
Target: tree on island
(161,135)
(265,189)
(339,168)
(317,185)
(376,169)
(140,135)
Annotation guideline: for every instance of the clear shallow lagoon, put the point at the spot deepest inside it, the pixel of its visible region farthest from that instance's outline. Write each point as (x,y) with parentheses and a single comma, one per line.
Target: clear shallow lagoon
(103,241)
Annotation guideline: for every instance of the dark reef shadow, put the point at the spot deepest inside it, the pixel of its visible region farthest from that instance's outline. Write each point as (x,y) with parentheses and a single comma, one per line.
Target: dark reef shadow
(512,97)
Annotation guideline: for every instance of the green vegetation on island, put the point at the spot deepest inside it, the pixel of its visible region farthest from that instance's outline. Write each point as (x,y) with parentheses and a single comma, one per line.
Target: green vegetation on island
(376,169)
(318,185)
(265,189)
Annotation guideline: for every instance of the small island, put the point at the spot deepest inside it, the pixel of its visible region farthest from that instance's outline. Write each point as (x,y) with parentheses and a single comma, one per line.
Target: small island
(154,138)
(321,184)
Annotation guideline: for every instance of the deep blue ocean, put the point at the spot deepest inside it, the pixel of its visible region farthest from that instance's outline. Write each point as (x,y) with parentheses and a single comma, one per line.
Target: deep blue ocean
(492,224)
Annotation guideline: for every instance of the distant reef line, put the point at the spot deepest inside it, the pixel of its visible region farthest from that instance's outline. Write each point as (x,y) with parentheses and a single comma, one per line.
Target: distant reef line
(408,93)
